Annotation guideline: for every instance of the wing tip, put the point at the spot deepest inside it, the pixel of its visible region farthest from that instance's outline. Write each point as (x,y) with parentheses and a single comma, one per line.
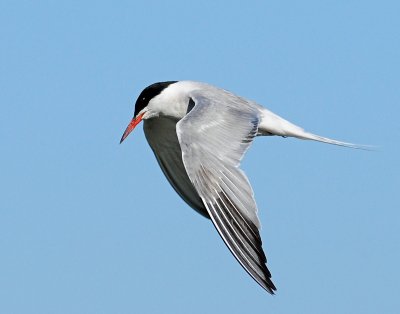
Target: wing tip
(265,282)
(269,287)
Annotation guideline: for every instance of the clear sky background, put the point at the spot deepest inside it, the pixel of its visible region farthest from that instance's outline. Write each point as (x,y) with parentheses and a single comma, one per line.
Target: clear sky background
(91,226)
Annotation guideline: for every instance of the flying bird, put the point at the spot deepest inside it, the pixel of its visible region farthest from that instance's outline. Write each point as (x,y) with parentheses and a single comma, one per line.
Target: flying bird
(199,134)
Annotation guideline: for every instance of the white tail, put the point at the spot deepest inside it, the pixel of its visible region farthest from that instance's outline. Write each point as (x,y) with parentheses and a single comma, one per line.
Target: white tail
(275,125)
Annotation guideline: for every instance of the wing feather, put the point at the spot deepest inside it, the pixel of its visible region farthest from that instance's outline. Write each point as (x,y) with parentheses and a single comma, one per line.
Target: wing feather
(213,137)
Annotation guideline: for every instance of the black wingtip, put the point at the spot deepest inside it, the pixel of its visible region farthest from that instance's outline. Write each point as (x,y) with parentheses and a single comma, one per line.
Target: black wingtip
(269,287)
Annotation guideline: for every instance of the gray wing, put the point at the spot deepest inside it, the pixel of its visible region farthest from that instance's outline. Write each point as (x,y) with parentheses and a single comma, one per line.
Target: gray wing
(161,136)
(214,136)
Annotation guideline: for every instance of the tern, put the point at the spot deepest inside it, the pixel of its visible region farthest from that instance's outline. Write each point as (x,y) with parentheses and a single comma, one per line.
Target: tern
(199,134)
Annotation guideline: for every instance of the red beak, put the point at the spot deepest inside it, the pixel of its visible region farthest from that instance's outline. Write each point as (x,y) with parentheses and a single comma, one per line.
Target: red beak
(131,126)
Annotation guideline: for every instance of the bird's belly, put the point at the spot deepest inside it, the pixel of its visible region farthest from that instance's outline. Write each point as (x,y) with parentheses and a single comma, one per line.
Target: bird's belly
(161,136)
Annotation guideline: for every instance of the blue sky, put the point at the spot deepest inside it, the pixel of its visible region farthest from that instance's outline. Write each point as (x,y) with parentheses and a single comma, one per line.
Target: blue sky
(91,226)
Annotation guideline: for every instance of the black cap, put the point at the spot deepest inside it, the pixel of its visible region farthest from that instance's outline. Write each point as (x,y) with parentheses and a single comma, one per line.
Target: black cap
(149,93)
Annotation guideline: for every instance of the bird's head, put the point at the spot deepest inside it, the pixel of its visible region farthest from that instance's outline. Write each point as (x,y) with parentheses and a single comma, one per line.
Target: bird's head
(145,107)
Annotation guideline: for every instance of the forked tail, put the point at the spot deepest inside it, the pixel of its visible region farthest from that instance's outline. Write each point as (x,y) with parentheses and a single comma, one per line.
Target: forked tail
(309,136)
(272,124)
